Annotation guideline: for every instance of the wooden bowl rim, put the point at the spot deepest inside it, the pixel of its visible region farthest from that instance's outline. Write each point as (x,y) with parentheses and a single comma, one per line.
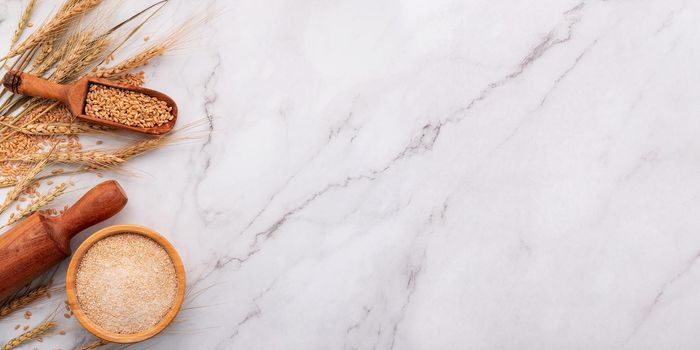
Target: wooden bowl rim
(73,299)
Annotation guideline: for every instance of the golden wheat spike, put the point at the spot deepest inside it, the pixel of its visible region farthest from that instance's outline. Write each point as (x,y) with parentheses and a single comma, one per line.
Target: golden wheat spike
(34,333)
(94,345)
(24,182)
(92,159)
(23,22)
(23,300)
(38,203)
(54,25)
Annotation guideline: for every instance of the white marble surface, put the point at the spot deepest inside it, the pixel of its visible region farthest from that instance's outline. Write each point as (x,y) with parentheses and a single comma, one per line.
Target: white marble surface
(443,174)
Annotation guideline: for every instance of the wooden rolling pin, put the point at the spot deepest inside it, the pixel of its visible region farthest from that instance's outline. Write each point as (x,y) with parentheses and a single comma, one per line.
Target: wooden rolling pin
(40,242)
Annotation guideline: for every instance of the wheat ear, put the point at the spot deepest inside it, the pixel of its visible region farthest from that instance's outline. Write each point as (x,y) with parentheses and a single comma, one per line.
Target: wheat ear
(86,50)
(74,52)
(45,51)
(37,204)
(23,21)
(92,159)
(53,56)
(143,57)
(136,61)
(34,333)
(23,300)
(138,148)
(91,55)
(23,183)
(47,129)
(41,114)
(94,345)
(54,25)
(7,182)
(55,128)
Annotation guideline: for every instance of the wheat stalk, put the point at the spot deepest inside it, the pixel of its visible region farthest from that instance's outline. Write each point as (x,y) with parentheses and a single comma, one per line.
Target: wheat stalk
(71,10)
(23,300)
(34,333)
(94,345)
(37,204)
(23,21)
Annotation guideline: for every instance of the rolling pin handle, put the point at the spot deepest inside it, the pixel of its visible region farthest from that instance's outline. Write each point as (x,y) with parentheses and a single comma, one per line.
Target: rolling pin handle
(100,203)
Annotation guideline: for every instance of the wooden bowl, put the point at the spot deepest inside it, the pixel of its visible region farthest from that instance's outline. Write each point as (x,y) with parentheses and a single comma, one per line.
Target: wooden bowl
(73,299)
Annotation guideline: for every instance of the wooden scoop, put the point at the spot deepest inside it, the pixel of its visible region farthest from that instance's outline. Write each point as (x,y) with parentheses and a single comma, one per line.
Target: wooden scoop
(74,97)
(39,242)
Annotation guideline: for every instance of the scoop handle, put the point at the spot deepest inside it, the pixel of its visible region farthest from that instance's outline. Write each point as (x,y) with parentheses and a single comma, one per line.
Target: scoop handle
(100,203)
(29,85)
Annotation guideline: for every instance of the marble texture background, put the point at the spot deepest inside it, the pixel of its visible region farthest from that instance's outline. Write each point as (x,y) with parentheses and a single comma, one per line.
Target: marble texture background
(445,174)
